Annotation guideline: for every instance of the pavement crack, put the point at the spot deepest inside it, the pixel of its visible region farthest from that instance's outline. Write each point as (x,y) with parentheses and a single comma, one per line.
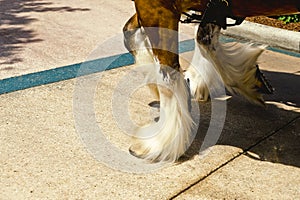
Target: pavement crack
(272,133)
(206,176)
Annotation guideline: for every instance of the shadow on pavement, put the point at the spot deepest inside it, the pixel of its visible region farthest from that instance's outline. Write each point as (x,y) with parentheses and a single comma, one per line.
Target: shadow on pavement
(14,18)
(248,125)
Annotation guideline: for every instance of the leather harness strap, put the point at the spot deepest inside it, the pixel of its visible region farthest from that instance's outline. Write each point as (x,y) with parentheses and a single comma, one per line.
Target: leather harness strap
(216,12)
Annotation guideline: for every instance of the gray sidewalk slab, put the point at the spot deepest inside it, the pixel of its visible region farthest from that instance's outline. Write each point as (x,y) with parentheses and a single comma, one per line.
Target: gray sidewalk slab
(269,170)
(42,156)
(41,35)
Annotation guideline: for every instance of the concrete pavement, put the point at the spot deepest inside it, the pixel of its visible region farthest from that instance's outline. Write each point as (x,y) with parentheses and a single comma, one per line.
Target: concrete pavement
(43,157)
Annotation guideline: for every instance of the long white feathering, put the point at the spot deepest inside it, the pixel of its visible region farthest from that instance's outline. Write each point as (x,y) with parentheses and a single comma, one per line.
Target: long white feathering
(236,63)
(167,139)
(238,69)
(200,75)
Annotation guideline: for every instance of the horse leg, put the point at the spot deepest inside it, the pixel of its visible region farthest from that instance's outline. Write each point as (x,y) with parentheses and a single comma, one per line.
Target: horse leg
(167,139)
(136,41)
(138,44)
(201,73)
(235,63)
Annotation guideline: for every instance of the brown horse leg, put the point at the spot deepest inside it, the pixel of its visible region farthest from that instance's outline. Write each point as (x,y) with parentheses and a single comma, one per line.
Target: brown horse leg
(167,139)
(160,20)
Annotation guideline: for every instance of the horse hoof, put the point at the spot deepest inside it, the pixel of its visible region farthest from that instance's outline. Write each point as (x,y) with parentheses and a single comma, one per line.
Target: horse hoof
(137,151)
(156,119)
(154,104)
(264,86)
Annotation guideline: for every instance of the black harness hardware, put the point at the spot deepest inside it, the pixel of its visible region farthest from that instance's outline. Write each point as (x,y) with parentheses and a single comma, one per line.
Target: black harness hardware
(191,18)
(216,12)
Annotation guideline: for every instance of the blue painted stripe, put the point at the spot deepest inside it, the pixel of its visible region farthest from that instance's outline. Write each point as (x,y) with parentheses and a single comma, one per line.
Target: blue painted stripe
(71,71)
(283,51)
(186,45)
(63,73)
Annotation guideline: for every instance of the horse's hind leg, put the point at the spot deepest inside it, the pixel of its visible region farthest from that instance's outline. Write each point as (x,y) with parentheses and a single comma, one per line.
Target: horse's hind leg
(235,63)
(137,42)
(167,139)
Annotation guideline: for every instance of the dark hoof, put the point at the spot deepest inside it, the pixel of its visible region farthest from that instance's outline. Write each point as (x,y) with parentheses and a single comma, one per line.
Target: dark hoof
(154,104)
(133,150)
(265,87)
(156,119)
(133,153)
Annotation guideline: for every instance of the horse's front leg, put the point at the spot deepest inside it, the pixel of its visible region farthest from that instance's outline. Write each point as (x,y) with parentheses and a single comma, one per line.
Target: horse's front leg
(167,139)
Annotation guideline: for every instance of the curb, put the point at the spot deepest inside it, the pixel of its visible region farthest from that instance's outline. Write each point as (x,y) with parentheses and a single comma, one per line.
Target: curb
(274,37)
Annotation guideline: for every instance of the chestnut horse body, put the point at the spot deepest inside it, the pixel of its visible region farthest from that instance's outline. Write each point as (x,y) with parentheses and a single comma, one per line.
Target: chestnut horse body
(151,35)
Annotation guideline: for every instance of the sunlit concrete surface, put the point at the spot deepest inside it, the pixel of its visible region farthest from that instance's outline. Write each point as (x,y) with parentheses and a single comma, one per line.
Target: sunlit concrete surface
(42,155)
